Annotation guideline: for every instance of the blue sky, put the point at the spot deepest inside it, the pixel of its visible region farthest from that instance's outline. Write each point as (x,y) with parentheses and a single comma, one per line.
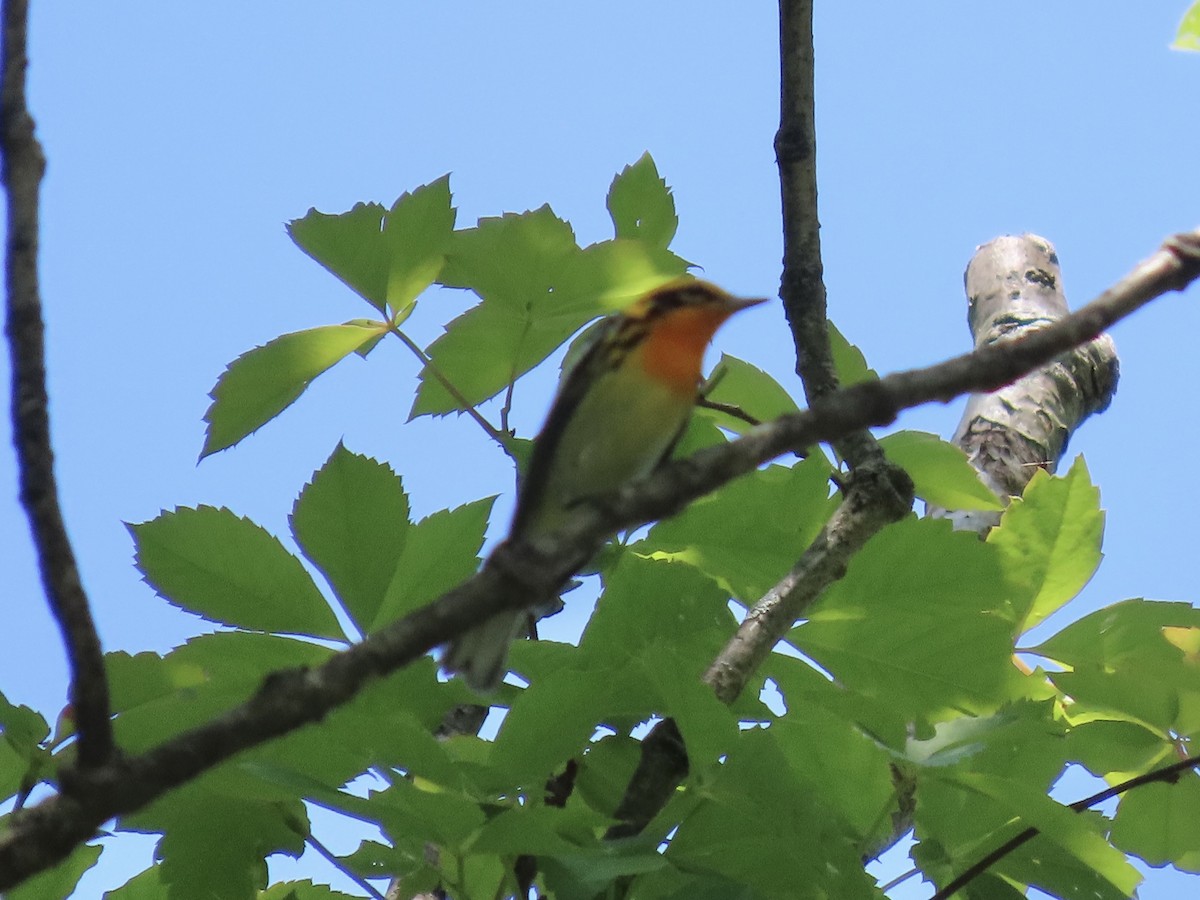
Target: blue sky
(181,137)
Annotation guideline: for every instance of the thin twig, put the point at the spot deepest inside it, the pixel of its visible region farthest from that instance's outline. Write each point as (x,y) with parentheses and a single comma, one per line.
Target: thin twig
(730,409)
(1168,774)
(24,164)
(330,858)
(469,408)
(519,574)
(899,880)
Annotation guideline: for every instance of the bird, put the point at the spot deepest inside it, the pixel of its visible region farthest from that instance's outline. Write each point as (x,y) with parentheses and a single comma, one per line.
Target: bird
(617,416)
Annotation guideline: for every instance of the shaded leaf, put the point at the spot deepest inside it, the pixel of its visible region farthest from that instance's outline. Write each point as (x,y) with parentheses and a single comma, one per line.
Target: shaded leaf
(749,533)
(1161,823)
(440,551)
(641,205)
(349,245)
(1072,833)
(417,233)
(227,569)
(848,360)
(351,521)
(58,882)
(939,470)
(916,621)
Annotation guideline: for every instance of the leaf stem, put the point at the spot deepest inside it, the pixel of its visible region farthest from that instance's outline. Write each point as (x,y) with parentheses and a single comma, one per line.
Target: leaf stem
(489,429)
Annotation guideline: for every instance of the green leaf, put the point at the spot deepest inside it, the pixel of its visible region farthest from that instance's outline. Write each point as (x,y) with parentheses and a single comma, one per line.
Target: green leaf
(641,205)
(24,729)
(351,521)
(1188,35)
(750,389)
(1075,834)
(303,890)
(59,882)
(1049,540)
(613,274)
(157,698)
(513,263)
(586,875)
(940,471)
(350,245)
(417,234)
(142,678)
(215,845)
(549,723)
(1115,749)
(801,843)
(649,602)
(1161,823)
(146,885)
(847,769)
(802,686)
(848,360)
(916,622)
(440,551)
(387,257)
(229,570)
(749,533)
(1117,634)
(411,813)
(263,382)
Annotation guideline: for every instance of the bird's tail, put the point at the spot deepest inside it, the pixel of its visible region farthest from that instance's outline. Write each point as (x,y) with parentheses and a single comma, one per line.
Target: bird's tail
(481,655)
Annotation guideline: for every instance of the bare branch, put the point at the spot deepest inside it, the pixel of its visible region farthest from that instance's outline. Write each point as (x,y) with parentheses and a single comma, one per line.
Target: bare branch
(519,574)
(802,288)
(24,164)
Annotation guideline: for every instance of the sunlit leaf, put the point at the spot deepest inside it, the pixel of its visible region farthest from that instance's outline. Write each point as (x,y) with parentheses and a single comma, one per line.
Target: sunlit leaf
(1049,540)
(748,388)
(263,382)
(939,470)
(1188,35)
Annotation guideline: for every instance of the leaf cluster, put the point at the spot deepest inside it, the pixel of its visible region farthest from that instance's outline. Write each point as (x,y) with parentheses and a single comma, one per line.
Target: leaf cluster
(906,689)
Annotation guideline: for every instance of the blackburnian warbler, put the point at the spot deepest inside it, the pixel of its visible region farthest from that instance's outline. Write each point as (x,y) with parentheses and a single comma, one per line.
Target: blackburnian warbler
(617,415)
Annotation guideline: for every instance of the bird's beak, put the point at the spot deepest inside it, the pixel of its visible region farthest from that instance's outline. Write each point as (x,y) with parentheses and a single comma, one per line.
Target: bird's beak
(736,304)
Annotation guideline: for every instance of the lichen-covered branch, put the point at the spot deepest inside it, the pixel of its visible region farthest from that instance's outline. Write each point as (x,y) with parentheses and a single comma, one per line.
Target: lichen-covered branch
(22,173)
(1013,285)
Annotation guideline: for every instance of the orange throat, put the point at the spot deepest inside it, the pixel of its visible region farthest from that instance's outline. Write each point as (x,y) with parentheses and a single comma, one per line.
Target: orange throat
(674,348)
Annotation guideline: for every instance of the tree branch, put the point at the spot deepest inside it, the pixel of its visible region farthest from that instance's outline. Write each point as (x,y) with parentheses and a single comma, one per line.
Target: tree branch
(24,164)
(517,575)
(1168,774)
(1014,284)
